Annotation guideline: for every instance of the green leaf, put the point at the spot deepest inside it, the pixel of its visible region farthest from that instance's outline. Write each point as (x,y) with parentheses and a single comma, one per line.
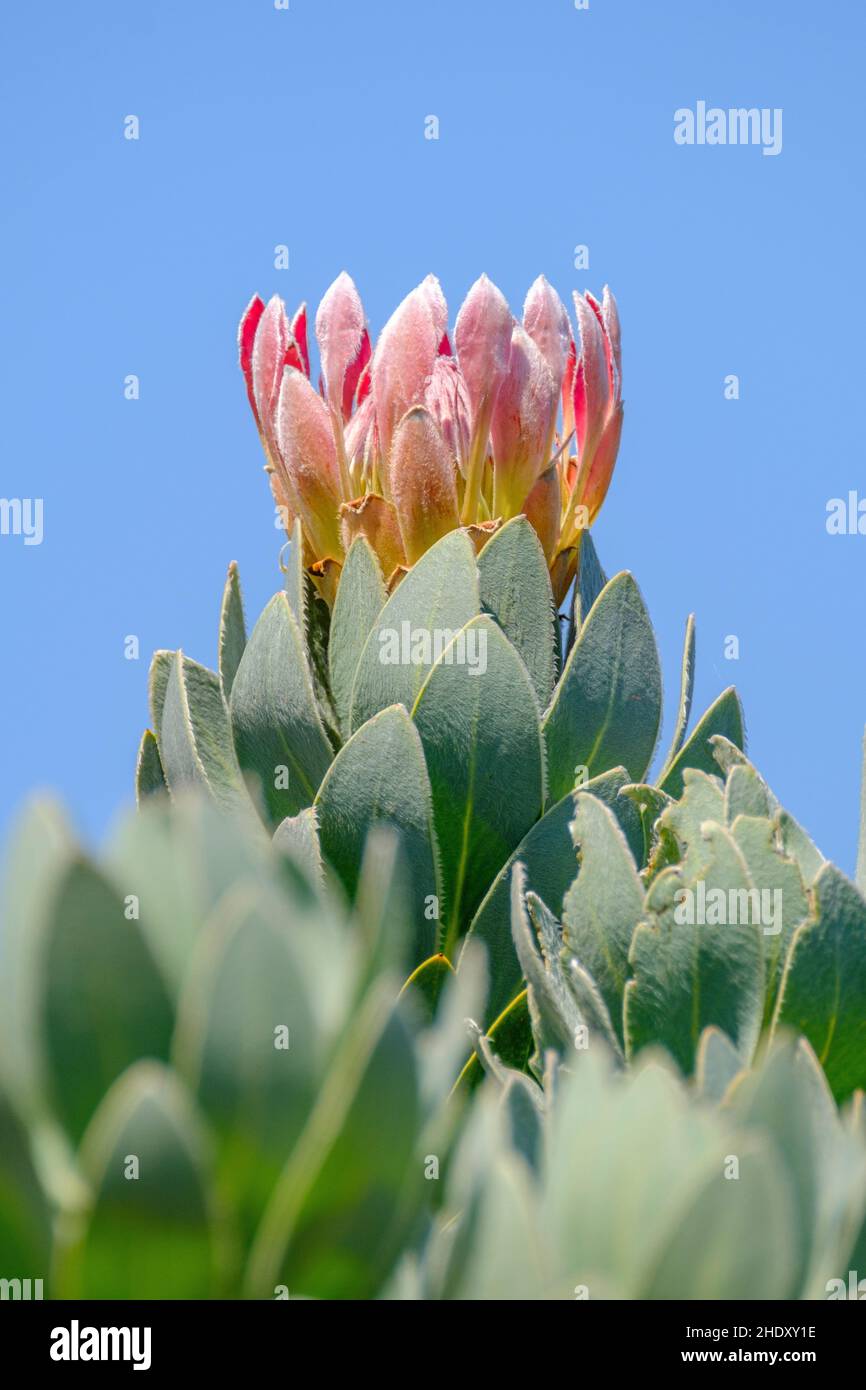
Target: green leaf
(777,1099)
(515,590)
(724,1218)
(482,744)
(548,854)
(701,799)
(233,632)
(435,600)
(151,1237)
(784,903)
(278,731)
(379,776)
(553,1011)
(607,705)
(604,904)
(823,990)
(313,618)
(510,1037)
(149,776)
(37,860)
(195,742)
(361,596)
(549,857)
(248,1043)
(688,976)
(591,579)
(297,837)
(350,1189)
(426,981)
(161,664)
(650,804)
(745,795)
(25,1215)
(103,1001)
(296,589)
(717,1064)
(179,858)
(797,844)
(687,687)
(724,716)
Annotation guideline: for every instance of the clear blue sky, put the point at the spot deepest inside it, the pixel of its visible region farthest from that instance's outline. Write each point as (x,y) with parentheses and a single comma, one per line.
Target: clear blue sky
(305,127)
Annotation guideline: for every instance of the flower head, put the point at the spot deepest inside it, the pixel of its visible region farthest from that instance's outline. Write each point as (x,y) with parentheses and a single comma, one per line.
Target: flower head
(408,440)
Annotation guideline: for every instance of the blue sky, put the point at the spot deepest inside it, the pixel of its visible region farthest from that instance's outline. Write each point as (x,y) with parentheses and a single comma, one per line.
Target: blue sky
(306,127)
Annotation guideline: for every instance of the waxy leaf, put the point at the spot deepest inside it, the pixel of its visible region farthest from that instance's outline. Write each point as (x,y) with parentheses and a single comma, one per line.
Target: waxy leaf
(342,1206)
(687,687)
(425,983)
(149,776)
(784,903)
(515,589)
(550,859)
(151,1232)
(278,731)
(604,904)
(360,599)
(233,632)
(25,1213)
(161,664)
(103,1003)
(823,990)
(248,1043)
(717,1064)
(723,1217)
(724,716)
(607,706)
(746,795)
(195,742)
(591,579)
(298,838)
(378,777)
(482,745)
(436,599)
(689,975)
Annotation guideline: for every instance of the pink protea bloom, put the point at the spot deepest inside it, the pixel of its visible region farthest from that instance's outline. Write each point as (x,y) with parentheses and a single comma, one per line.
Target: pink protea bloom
(403,442)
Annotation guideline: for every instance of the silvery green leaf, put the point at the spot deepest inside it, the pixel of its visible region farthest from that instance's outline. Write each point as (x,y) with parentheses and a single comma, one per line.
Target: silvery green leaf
(482,744)
(232,630)
(724,716)
(434,601)
(278,731)
(515,589)
(606,708)
(379,777)
(687,974)
(361,596)
(604,904)
(195,742)
(151,1231)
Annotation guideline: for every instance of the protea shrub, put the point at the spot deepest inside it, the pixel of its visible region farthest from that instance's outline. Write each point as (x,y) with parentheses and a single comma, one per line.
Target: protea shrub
(414,921)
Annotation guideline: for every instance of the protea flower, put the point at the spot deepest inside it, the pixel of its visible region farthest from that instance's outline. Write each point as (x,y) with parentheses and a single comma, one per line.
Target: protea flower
(409,441)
